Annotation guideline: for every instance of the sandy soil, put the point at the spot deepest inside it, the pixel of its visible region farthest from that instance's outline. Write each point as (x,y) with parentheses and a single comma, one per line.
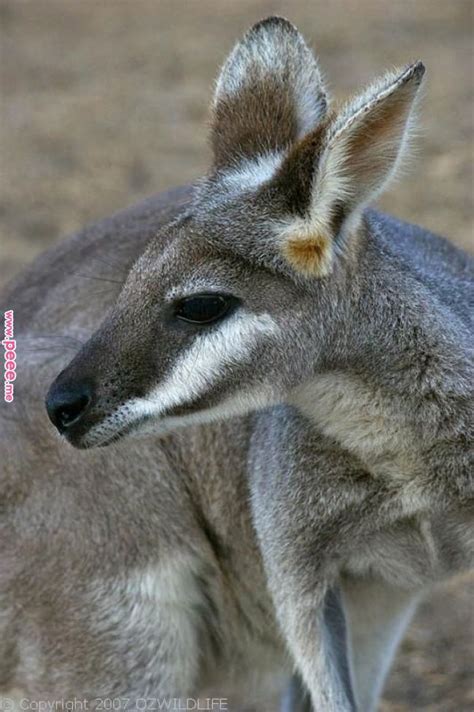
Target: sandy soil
(105,101)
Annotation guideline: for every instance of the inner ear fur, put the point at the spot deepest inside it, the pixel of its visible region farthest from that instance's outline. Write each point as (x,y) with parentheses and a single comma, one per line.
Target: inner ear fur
(340,166)
(269,94)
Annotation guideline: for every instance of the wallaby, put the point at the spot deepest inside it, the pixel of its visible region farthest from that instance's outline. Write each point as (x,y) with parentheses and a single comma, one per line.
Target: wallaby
(318,353)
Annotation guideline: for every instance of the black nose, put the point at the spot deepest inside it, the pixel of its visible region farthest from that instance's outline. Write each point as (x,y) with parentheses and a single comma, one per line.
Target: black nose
(66,405)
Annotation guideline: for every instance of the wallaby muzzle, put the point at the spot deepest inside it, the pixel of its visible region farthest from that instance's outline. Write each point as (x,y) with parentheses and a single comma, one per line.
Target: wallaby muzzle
(107,371)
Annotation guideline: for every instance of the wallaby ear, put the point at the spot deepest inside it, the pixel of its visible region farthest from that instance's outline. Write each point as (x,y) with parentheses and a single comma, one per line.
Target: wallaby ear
(269,94)
(335,170)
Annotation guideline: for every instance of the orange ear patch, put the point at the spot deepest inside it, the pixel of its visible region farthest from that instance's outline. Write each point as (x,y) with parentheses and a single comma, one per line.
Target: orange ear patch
(310,255)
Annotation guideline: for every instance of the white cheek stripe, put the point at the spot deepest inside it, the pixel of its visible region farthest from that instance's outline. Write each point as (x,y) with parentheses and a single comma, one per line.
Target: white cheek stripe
(236,405)
(205,362)
(193,374)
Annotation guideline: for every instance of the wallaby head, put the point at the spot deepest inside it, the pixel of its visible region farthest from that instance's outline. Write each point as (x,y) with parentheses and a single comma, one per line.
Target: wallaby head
(241,304)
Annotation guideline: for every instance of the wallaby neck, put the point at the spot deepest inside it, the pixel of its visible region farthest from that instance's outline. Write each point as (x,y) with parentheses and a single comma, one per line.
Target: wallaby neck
(388,395)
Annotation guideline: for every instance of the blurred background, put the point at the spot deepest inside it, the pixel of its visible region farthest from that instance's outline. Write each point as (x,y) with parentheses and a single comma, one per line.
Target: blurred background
(104,102)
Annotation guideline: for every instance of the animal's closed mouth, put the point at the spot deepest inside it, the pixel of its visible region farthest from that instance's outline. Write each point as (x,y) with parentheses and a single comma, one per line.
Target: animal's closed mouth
(117,435)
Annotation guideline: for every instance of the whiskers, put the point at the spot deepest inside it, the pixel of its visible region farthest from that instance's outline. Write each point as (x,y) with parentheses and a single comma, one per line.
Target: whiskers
(98,279)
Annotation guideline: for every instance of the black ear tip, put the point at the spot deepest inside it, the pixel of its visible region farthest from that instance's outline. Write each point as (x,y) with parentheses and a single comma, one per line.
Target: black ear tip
(274,22)
(418,71)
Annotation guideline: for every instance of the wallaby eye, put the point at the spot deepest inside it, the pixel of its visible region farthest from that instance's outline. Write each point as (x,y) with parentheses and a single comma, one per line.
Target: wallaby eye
(203,308)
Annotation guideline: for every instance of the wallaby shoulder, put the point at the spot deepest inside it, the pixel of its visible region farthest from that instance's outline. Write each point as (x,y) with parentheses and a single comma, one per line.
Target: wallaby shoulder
(444,269)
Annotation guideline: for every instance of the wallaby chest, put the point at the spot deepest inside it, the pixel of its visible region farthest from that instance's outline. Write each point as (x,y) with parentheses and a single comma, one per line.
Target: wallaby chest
(364,422)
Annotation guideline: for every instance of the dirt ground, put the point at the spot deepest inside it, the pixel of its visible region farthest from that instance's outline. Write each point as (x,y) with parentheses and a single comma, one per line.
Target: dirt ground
(105,101)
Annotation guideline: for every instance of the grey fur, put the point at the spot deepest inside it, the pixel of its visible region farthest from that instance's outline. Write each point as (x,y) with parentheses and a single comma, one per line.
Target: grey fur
(165,563)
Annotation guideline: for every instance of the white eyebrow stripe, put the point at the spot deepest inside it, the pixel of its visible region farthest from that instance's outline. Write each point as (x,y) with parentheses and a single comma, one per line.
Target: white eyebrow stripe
(195,286)
(201,365)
